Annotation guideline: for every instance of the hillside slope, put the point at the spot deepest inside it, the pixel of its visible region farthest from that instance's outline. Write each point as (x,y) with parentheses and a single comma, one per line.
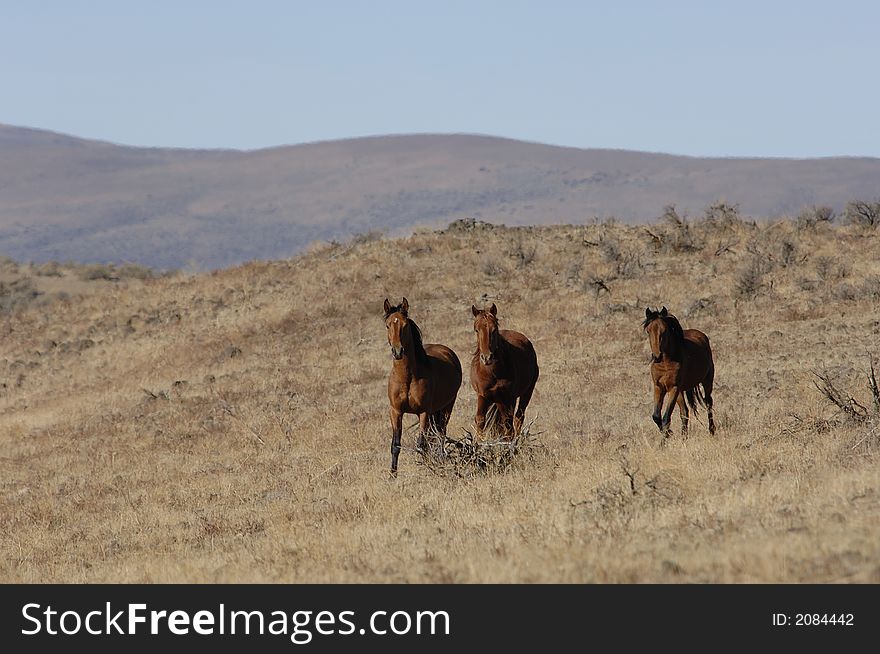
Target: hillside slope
(65,198)
(232,426)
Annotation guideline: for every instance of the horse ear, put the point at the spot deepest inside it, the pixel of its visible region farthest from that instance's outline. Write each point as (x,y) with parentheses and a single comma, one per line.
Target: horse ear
(387,306)
(404,307)
(493,309)
(664,312)
(648,311)
(475,310)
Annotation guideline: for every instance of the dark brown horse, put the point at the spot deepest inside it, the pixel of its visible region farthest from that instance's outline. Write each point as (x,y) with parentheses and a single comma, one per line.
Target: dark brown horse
(681,360)
(504,368)
(424,378)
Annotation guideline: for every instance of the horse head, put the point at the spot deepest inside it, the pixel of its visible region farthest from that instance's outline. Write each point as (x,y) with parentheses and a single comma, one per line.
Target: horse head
(486,327)
(396,322)
(664,332)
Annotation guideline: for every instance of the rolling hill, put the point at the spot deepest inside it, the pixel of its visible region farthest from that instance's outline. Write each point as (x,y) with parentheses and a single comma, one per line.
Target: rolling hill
(233,425)
(64,198)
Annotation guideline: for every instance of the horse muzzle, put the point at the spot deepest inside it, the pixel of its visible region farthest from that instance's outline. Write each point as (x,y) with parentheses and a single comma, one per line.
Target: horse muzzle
(656,358)
(486,359)
(397,352)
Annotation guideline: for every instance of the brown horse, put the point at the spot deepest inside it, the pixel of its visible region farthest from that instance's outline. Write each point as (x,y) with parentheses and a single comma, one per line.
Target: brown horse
(424,378)
(504,368)
(681,360)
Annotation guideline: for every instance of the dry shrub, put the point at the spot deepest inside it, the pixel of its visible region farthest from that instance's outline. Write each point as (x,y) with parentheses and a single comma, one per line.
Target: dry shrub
(523,253)
(492,267)
(864,414)
(811,217)
(829,269)
(370,236)
(749,279)
(135,271)
(49,269)
(862,214)
(871,287)
(674,233)
(626,262)
(494,454)
(16,294)
(468,225)
(721,216)
(788,254)
(96,271)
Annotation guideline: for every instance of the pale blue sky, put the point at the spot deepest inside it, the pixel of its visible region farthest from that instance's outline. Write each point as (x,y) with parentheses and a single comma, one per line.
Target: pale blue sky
(733,79)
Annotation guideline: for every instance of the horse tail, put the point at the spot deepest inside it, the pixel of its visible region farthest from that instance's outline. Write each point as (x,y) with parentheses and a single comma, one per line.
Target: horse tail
(695,398)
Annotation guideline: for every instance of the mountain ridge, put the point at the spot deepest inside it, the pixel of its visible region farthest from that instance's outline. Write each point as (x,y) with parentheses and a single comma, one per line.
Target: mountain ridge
(67,198)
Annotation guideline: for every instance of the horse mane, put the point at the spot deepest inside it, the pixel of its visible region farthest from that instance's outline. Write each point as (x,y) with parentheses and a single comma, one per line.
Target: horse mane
(418,347)
(675,327)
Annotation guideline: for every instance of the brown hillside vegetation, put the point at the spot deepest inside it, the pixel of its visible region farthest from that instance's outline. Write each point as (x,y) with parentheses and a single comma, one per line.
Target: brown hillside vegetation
(233,426)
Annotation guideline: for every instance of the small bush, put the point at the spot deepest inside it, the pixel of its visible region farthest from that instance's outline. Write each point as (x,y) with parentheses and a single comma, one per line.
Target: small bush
(862,214)
(17,294)
(49,269)
(493,268)
(573,272)
(749,279)
(788,254)
(96,271)
(676,233)
(722,215)
(812,217)
(863,413)
(610,249)
(370,236)
(627,263)
(523,254)
(846,292)
(870,288)
(135,271)
(829,270)
(469,457)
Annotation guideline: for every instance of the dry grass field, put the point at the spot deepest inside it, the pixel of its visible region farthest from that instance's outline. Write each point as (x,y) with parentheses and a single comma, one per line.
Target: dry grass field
(232,426)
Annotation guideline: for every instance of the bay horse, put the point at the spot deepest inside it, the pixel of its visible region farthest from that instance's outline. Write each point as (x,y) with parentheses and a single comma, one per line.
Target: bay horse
(504,368)
(681,360)
(424,378)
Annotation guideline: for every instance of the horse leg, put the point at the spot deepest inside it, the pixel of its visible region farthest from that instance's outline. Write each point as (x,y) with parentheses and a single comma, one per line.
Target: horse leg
(425,424)
(520,417)
(444,415)
(667,415)
(505,420)
(707,391)
(683,412)
(480,418)
(659,394)
(396,430)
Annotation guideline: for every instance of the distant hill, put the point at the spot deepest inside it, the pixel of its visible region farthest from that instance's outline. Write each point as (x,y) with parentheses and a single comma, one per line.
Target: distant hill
(64,198)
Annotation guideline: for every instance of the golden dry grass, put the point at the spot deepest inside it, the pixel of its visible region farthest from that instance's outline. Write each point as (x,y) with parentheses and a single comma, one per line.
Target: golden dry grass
(233,426)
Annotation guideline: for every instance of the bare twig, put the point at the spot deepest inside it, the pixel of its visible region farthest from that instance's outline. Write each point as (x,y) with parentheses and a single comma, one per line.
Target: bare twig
(630,474)
(851,407)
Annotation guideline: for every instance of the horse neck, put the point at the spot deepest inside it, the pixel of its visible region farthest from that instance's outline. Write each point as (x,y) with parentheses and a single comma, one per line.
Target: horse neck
(415,358)
(676,349)
(674,354)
